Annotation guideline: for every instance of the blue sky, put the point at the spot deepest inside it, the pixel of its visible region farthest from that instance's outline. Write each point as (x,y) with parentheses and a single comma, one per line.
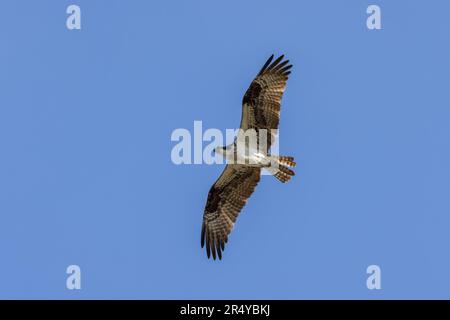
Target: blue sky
(86,176)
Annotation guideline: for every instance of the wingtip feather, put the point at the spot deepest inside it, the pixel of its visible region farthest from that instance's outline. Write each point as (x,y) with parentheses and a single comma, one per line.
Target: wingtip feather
(266,64)
(202,240)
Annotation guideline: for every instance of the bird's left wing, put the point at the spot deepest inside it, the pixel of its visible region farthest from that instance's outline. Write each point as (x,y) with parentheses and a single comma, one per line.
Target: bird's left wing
(262,100)
(226,198)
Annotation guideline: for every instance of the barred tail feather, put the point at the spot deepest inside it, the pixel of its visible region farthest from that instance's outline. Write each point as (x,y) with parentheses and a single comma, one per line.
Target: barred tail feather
(288,161)
(280,168)
(284,174)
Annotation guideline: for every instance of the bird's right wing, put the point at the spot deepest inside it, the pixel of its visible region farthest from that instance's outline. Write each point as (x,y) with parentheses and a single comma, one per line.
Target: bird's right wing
(226,198)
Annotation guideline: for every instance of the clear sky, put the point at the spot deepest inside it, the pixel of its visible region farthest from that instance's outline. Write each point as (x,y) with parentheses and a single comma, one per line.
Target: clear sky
(86,176)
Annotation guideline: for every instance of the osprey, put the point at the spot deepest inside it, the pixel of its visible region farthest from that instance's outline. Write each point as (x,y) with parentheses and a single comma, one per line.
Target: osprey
(228,195)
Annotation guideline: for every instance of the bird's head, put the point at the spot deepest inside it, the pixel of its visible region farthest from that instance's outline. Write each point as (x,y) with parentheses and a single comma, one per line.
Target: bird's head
(226,151)
(220,150)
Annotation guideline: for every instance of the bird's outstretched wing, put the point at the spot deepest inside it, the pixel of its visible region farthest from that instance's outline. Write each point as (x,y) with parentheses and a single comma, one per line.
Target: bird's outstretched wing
(226,198)
(262,100)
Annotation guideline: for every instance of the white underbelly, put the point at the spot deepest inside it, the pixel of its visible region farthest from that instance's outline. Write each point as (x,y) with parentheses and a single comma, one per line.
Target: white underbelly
(256,159)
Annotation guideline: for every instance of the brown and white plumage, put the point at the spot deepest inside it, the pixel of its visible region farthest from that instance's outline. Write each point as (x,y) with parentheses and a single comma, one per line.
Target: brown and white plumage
(228,195)
(226,198)
(262,100)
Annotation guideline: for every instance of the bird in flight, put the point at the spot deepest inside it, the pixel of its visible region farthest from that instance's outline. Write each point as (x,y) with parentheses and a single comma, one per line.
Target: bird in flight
(260,115)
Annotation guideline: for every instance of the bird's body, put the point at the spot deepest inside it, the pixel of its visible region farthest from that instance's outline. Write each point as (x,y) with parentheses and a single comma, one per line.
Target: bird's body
(247,155)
